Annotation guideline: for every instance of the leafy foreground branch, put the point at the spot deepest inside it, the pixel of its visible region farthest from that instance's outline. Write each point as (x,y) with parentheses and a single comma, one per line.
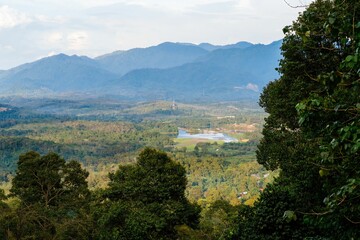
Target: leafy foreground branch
(312,133)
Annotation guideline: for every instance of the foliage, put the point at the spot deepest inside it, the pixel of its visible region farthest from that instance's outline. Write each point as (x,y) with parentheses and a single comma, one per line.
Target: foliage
(212,178)
(4,210)
(219,220)
(313,131)
(146,200)
(53,198)
(218,170)
(89,142)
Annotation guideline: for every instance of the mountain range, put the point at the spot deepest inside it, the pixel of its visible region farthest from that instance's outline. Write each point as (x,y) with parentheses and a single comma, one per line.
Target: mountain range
(170,71)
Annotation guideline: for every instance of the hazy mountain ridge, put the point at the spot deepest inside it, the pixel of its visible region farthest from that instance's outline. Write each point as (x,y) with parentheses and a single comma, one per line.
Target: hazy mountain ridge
(241,45)
(164,55)
(219,75)
(57,73)
(210,47)
(166,71)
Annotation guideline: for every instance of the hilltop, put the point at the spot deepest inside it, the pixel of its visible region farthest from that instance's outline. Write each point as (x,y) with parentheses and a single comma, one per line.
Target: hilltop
(184,72)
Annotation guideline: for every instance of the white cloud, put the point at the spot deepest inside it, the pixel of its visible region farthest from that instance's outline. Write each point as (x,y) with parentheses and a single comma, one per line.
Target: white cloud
(52,53)
(93,27)
(55,37)
(47,19)
(10,17)
(249,86)
(78,40)
(252,87)
(224,7)
(9,48)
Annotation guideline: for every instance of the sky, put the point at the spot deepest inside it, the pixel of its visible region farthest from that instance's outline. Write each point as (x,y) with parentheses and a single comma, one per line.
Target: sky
(33,29)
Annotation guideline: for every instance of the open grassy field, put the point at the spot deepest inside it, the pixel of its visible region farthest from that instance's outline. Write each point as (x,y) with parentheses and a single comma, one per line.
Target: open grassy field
(190,143)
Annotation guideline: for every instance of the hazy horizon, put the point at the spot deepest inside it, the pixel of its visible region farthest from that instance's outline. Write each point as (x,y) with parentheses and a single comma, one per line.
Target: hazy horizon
(36,29)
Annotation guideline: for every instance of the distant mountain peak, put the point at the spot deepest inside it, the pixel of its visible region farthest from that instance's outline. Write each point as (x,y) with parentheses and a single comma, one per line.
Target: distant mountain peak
(170,70)
(164,55)
(61,56)
(167,44)
(211,47)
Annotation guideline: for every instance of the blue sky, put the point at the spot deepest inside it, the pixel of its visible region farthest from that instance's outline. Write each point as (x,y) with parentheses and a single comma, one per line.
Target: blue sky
(30,30)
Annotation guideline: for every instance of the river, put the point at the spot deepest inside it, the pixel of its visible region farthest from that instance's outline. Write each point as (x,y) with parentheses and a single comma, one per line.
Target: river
(210,136)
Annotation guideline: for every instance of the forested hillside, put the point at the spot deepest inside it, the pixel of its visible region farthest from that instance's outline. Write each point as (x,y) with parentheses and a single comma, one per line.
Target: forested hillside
(109,168)
(102,135)
(104,139)
(312,133)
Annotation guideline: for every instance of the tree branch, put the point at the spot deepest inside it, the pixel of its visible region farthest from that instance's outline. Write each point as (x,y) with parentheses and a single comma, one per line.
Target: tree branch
(351,220)
(297,6)
(315,213)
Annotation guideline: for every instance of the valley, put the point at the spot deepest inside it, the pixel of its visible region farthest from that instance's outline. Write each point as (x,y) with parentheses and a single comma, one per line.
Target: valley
(196,103)
(177,138)
(103,133)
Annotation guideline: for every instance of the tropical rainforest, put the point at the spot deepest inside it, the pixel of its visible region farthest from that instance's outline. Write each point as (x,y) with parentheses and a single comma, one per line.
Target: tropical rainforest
(76,169)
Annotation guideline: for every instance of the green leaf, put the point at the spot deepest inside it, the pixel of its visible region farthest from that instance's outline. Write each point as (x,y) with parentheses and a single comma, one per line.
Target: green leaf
(301,120)
(286,29)
(331,20)
(316,102)
(323,172)
(334,143)
(289,216)
(300,106)
(324,155)
(349,58)
(337,107)
(356,147)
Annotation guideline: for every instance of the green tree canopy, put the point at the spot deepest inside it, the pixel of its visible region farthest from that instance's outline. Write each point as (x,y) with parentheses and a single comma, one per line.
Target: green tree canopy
(313,130)
(53,198)
(146,200)
(4,210)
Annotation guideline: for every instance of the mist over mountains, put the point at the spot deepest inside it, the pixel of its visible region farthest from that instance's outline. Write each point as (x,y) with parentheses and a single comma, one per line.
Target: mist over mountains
(168,71)
(162,56)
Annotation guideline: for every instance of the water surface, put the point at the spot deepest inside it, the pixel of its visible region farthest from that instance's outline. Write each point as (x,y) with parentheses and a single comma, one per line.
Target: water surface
(209,136)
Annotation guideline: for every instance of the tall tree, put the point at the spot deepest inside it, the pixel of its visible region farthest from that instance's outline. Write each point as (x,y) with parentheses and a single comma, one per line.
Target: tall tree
(146,200)
(313,130)
(4,212)
(54,198)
